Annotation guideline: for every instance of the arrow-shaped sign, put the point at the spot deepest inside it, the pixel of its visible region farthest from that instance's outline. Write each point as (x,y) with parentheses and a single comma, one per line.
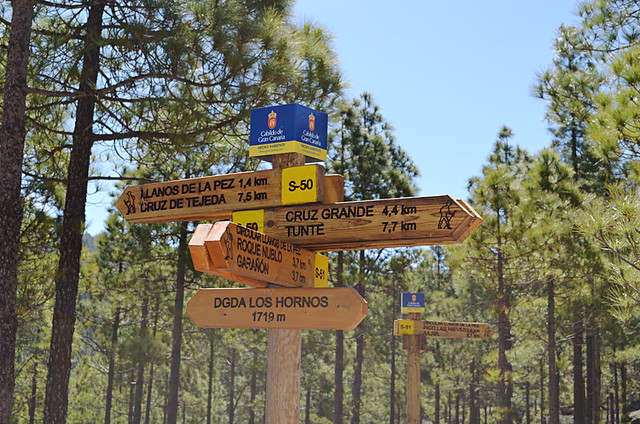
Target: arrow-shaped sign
(246,256)
(443,329)
(217,197)
(401,222)
(336,308)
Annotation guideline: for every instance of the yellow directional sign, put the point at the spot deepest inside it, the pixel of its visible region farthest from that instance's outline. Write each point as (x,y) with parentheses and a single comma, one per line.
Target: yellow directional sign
(443,329)
(336,308)
(401,222)
(216,197)
(246,256)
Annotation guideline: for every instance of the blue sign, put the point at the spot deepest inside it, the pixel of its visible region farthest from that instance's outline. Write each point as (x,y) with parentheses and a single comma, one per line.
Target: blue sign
(288,129)
(412,302)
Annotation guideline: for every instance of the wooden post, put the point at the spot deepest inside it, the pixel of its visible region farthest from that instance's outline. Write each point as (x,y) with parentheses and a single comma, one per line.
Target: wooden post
(284,347)
(413,374)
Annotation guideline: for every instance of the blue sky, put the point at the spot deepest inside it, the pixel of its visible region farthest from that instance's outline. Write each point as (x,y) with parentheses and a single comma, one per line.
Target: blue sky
(447,76)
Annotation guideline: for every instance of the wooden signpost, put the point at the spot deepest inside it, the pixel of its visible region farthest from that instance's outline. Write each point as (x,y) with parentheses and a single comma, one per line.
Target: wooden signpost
(333,308)
(281,218)
(217,197)
(414,331)
(246,256)
(401,222)
(443,329)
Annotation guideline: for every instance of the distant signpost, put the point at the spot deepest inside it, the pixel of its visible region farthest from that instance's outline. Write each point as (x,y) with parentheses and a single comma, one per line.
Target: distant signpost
(443,329)
(414,330)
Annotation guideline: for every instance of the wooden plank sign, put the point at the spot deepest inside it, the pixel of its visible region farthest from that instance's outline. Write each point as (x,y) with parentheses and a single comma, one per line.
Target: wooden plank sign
(216,197)
(233,250)
(401,222)
(443,329)
(334,308)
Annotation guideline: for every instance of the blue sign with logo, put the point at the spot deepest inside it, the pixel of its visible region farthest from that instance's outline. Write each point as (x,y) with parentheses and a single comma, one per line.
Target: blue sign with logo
(412,302)
(291,128)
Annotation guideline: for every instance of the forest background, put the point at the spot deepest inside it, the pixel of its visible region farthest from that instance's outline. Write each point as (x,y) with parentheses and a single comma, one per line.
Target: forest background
(93,330)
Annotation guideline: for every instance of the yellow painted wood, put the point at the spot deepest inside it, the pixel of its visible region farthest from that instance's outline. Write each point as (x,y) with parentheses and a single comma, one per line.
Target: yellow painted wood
(401,222)
(300,184)
(321,277)
(403,326)
(253,219)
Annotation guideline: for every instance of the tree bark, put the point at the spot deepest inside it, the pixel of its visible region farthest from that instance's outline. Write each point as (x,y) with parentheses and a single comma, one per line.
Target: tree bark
(392,383)
(474,401)
(176,333)
(505,389)
(67,276)
(623,389)
(554,383)
(12,137)
(147,412)
(231,410)
(34,392)
(112,366)
(137,412)
(579,402)
(338,393)
(210,388)
(593,379)
(307,407)
(253,387)
(542,420)
(439,366)
(356,392)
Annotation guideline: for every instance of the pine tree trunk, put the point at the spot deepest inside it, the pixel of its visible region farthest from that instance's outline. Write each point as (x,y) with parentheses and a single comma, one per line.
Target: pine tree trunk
(542,420)
(554,383)
(356,392)
(34,392)
(12,137)
(112,366)
(593,379)
(504,345)
(131,398)
(392,383)
(623,390)
(137,412)
(307,407)
(579,402)
(338,394)
(474,402)
(457,420)
(210,376)
(176,333)
(616,392)
(231,410)
(68,273)
(440,370)
(147,412)
(253,388)
(528,402)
